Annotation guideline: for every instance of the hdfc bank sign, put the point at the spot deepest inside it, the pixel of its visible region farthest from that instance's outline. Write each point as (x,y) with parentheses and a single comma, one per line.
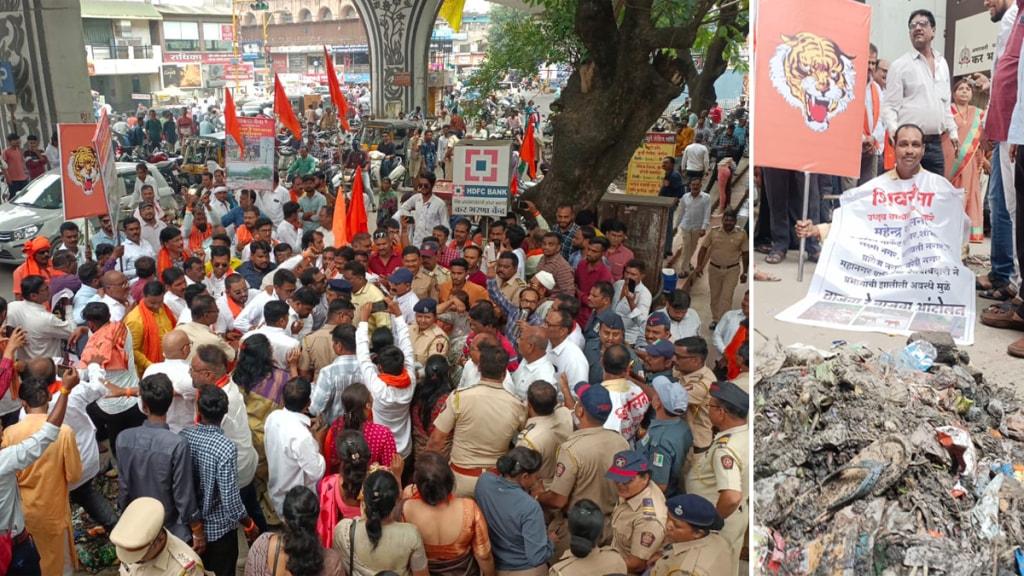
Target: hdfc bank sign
(196,57)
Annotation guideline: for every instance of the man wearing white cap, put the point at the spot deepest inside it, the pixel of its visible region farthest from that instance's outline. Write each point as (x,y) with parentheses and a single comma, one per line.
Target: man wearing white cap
(145,547)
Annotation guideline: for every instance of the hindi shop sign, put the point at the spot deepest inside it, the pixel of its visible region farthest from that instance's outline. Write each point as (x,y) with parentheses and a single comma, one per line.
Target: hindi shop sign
(483,171)
(891,262)
(645,174)
(974,44)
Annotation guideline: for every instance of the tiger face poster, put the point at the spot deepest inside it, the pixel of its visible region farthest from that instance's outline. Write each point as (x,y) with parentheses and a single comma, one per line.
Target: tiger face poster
(81,184)
(810,78)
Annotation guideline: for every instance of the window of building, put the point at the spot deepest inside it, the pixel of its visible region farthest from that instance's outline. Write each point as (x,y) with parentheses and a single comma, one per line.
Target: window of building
(97,32)
(123,28)
(182,36)
(212,38)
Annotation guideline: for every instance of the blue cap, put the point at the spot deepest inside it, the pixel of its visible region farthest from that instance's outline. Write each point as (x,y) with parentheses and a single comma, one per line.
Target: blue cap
(400,276)
(627,465)
(425,306)
(596,400)
(695,510)
(730,394)
(339,285)
(610,319)
(429,248)
(673,395)
(661,349)
(659,319)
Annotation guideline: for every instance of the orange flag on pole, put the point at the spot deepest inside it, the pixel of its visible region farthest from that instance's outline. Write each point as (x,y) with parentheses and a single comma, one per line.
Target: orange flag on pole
(231,125)
(528,152)
(340,223)
(283,109)
(337,98)
(357,215)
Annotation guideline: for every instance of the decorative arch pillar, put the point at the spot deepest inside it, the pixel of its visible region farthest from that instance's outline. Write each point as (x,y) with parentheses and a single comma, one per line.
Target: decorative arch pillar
(398,34)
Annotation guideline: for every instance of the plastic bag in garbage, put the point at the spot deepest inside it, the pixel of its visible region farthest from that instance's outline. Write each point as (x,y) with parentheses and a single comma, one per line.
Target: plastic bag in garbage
(985,514)
(957,441)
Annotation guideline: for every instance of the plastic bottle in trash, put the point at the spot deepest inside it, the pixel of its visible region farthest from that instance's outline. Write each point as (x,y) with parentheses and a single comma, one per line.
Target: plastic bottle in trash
(918,356)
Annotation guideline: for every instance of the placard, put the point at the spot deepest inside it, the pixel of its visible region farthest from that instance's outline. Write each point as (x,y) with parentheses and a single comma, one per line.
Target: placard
(81,183)
(482,173)
(645,174)
(256,170)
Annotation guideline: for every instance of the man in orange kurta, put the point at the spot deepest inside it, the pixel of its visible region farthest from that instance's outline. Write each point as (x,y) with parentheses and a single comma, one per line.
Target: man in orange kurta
(44,485)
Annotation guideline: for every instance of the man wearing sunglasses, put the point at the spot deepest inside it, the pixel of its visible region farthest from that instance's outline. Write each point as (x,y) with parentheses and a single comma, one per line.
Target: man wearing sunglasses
(426,209)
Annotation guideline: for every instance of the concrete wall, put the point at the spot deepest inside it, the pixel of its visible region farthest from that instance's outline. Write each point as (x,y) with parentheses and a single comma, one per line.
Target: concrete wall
(43,41)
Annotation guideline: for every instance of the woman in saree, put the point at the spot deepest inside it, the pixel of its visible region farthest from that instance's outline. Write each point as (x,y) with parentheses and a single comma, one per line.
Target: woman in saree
(964,166)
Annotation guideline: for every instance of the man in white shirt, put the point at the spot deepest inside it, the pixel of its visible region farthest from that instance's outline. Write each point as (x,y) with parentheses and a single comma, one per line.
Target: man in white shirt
(218,206)
(142,178)
(401,291)
(729,324)
(694,219)
(44,331)
(533,345)
(300,312)
(683,320)
(633,306)
(174,298)
(134,247)
(115,295)
(289,231)
(293,453)
(696,159)
(566,357)
(252,315)
(481,131)
(52,152)
(236,294)
(391,398)
(151,226)
(427,209)
(274,328)
(177,348)
(271,202)
(918,92)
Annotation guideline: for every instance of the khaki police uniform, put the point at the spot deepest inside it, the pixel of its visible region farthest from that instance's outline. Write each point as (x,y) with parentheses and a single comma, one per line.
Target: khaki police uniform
(317,350)
(545,434)
(708,556)
(724,467)
(725,251)
(511,288)
(424,285)
(426,344)
(600,561)
(440,274)
(483,421)
(638,524)
(580,466)
(698,386)
(176,559)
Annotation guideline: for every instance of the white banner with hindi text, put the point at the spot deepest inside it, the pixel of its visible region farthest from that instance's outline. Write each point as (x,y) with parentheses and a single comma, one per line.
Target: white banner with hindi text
(891,262)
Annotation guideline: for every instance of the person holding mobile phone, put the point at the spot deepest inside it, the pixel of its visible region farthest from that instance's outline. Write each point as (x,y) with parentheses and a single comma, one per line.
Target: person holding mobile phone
(633,301)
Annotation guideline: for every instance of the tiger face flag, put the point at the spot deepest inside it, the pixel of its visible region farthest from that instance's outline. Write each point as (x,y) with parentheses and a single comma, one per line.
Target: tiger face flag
(810,77)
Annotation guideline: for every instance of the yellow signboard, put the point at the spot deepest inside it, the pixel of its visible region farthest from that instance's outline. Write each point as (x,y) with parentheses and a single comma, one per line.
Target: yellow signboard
(645,174)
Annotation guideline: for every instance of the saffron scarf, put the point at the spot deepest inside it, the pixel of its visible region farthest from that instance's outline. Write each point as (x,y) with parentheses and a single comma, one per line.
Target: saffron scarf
(197,237)
(108,343)
(243,235)
(163,259)
(151,346)
(732,349)
(32,247)
(235,307)
(400,381)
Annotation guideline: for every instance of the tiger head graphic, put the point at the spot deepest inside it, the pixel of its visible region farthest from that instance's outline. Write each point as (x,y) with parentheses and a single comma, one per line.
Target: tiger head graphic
(83,168)
(814,76)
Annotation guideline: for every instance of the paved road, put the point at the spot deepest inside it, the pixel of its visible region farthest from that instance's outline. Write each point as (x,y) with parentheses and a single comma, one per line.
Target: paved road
(988,352)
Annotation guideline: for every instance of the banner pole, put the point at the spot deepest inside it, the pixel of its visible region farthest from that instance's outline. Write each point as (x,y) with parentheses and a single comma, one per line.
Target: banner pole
(803,241)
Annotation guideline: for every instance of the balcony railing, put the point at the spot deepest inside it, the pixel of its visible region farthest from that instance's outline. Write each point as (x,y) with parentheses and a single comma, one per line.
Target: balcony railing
(100,52)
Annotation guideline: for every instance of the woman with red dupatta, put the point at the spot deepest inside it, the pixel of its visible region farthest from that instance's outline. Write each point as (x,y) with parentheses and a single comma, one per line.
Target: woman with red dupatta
(964,166)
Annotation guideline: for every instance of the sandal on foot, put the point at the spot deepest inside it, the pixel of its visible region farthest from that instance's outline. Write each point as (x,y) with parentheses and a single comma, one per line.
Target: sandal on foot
(763,249)
(766,277)
(813,257)
(1001,294)
(775,257)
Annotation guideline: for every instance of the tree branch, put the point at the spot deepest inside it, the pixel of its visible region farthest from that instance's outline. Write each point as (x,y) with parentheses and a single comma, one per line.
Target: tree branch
(597,29)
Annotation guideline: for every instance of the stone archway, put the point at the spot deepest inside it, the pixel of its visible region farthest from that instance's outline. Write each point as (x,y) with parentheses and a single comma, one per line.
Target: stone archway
(398,34)
(305,15)
(324,14)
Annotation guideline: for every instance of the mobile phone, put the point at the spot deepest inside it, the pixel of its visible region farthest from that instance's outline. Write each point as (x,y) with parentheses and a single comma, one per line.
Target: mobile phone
(381,306)
(489,253)
(523,205)
(63,367)
(631,284)
(8,331)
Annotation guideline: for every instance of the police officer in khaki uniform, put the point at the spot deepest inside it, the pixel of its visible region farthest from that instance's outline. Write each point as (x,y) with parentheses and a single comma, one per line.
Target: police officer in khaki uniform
(549,425)
(582,461)
(423,284)
(483,421)
(720,474)
(427,338)
(697,378)
(509,282)
(146,549)
(428,255)
(638,522)
(584,557)
(725,249)
(694,546)
(318,346)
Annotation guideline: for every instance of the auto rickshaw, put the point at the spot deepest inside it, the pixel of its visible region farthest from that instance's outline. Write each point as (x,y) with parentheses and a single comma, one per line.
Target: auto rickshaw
(399,130)
(198,152)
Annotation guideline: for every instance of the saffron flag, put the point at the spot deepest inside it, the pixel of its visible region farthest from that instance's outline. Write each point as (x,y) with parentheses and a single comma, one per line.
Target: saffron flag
(337,98)
(528,153)
(811,72)
(339,225)
(357,221)
(283,109)
(451,11)
(231,125)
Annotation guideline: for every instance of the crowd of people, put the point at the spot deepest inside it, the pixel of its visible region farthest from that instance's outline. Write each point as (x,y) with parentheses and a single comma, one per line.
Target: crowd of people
(440,396)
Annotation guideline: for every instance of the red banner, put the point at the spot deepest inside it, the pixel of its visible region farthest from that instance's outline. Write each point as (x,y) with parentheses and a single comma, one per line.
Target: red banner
(810,70)
(80,172)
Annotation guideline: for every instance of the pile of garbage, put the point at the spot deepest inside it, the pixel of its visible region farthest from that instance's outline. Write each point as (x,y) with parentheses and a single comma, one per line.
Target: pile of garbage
(896,463)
